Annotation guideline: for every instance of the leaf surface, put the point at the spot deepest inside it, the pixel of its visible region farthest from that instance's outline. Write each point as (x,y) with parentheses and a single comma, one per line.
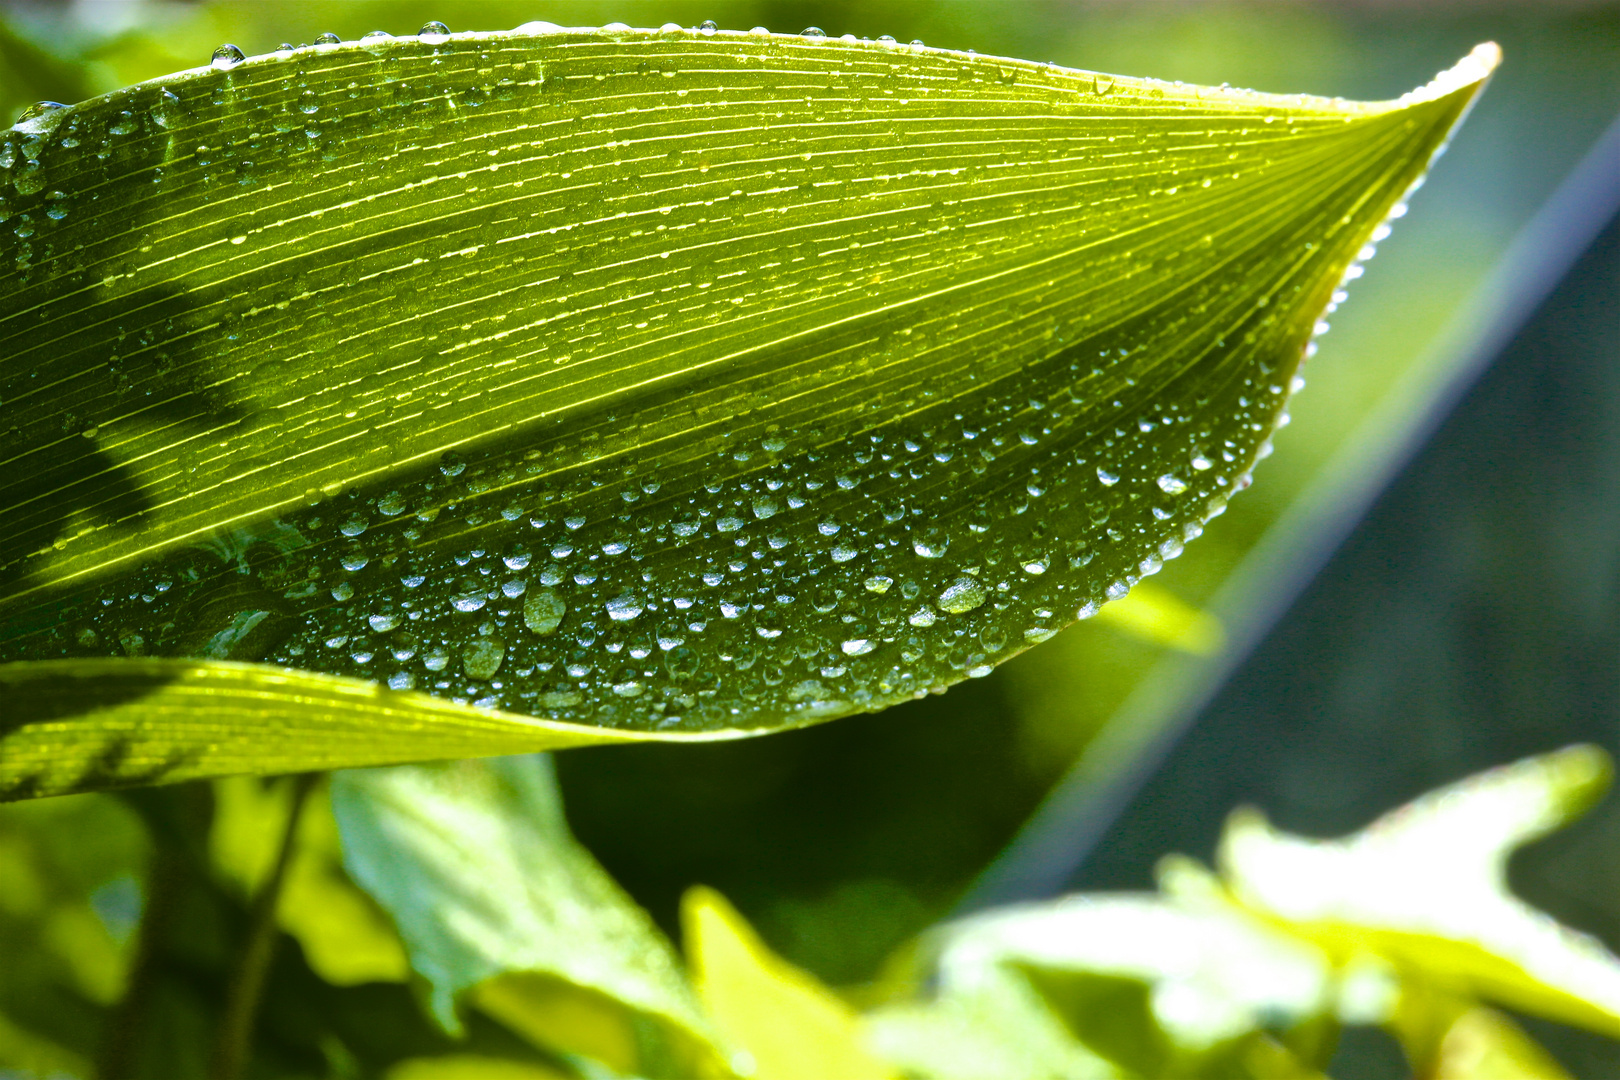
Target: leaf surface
(648,381)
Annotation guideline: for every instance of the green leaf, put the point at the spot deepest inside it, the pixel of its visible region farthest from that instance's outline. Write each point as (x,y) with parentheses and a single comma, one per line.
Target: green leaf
(1425,888)
(499,906)
(790,1026)
(652,381)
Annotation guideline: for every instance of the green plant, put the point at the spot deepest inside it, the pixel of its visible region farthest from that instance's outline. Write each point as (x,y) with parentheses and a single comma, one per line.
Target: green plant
(454,395)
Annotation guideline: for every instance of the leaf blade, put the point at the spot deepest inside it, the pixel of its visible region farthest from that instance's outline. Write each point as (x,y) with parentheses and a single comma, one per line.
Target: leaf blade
(903,360)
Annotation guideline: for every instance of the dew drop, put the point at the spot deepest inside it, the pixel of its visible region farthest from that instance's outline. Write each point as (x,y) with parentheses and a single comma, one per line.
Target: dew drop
(433,30)
(878,583)
(436,658)
(328,39)
(923,616)
(514,588)
(482,657)
(624,608)
(543,611)
(37,110)
(962,595)
(764,507)
(1108,479)
(383,623)
(227,56)
(931,543)
(354,524)
(813,32)
(857,646)
(843,552)
(469,598)
(355,558)
(707,26)
(402,680)
(1171,485)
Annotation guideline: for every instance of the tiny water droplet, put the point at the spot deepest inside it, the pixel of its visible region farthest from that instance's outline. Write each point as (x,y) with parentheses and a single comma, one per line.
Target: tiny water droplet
(354,524)
(1108,479)
(878,583)
(1171,485)
(923,616)
(355,558)
(383,623)
(857,646)
(707,26)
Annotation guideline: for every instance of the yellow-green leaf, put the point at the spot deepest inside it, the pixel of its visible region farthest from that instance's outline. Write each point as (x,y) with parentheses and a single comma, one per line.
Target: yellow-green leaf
(651,381)
(788,1025)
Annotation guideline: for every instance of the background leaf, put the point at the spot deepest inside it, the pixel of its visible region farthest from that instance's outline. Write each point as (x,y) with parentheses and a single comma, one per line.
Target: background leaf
(475,864)
(790,1026)
(705,425)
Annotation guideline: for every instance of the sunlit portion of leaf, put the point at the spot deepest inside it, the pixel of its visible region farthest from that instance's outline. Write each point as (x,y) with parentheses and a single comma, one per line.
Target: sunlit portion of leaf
(789,1026)
(1426,888)
(657,381)
(79,725)
(476,865)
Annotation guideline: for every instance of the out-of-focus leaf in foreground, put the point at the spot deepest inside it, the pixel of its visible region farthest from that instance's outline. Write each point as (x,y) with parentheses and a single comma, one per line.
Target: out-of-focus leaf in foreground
(672,381)
(501,909)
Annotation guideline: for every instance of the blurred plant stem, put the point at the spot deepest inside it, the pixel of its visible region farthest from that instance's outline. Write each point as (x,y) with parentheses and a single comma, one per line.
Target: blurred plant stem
(177,818)
(235,1035)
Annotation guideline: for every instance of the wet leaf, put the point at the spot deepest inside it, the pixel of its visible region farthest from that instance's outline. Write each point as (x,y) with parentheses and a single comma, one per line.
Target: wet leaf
(500,907)
(651,381)
(1425,888)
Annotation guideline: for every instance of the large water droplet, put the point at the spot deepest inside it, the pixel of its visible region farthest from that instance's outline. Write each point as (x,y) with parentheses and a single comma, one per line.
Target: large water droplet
(1108,479)
(624,608)
(38,109)
(433,31)
(931,542)
(543,611)
(227,56)
(962,595)
(1172,485)
(813,32)
(857,646)
(482,657)
(384,622)
(328,38)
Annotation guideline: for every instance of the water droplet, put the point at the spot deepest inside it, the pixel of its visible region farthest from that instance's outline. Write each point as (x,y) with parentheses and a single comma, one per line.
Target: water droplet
(376,35)
(482,657)
(857,646)
(355,558)
(764,507)
(328,38)
(436,658)
(813,32)
(470,596)
(383,623)
(1036,565)
(681,663)
(573,522)
(354,524)
(227,56)
(402,680)
(729,523)
(962,595)
(878,583)
(38,109)
(843,552)
(1172,485)
(931,542)
(1108,479)
(433,31)
(543,611)
(707,26)
(514,588)
(828,527)
(342,591)
(624,608)
(923,616)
